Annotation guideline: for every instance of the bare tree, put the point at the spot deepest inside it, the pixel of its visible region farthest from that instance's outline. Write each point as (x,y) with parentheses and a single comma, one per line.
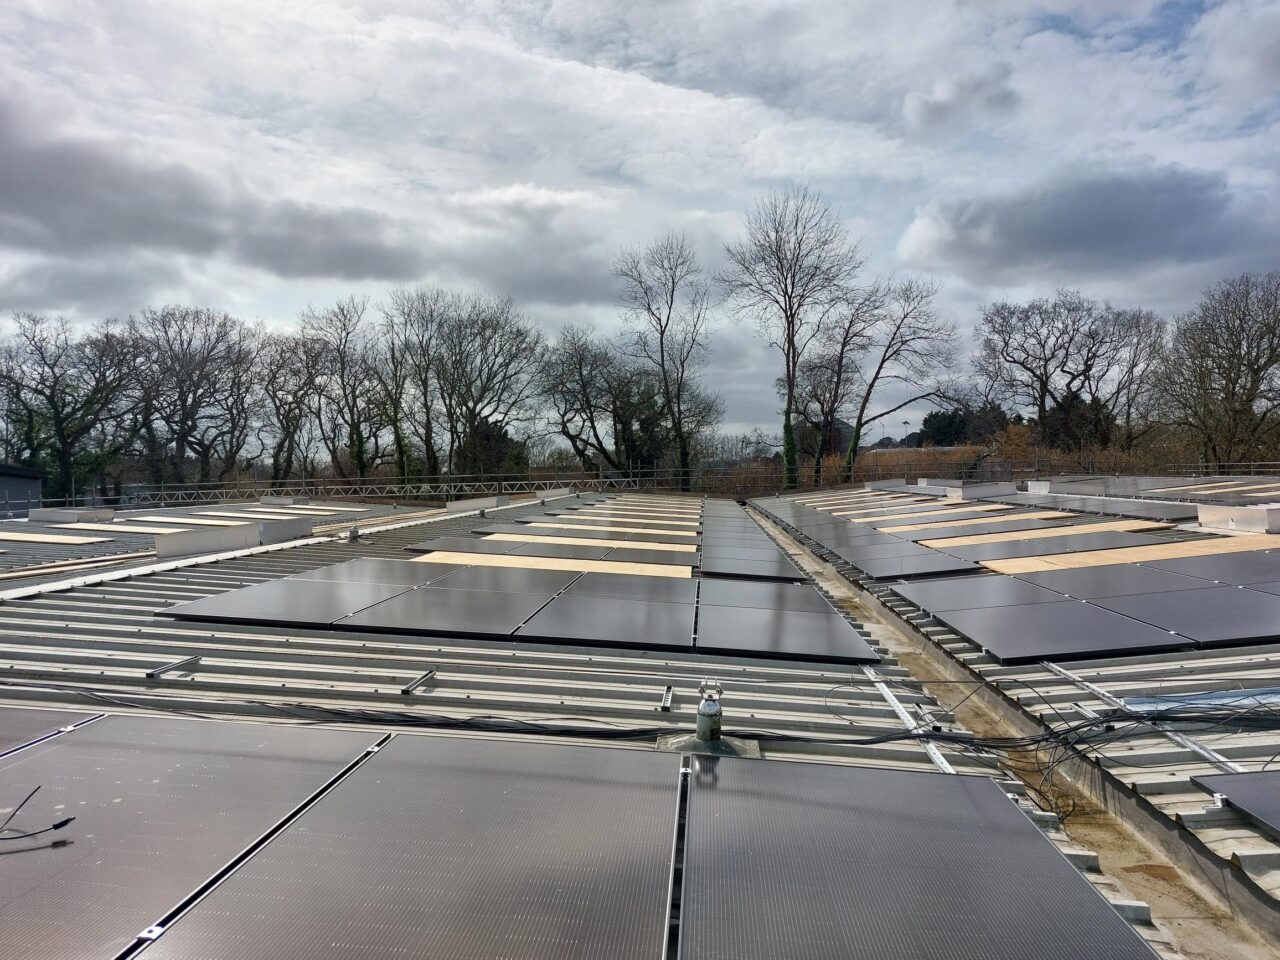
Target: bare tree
(907,346)
(350,418)
(1071,352)
(289,367)
(667,302)
(1219,378)
(412,319)
(59,388)
(489,357)
(793,267)
(579,383)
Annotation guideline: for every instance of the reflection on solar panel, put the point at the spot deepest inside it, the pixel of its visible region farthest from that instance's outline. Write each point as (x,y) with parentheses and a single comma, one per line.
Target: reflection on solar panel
(377,570)
(438,609)
(160,805)
(808,861)
(470,850)
(1215,615)
(787,634)
(1236,568)
(1094,583)
(968,593)
(614,622)
(1257,794)
(307,603)
(19,725)
(1057,631)
(637,588)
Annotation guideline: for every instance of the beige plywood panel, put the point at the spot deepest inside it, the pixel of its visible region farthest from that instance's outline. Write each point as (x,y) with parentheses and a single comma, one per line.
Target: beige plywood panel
(867,501)
(557,563)
(15,537)
(1075,530)
(669,512)
(1158,551)
(122,527)
(198,521)
(593,542)
(977,521)
(245,515)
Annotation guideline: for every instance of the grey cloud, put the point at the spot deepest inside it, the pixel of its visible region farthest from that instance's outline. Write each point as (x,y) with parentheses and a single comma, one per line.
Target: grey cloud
(67,196)
(109,286)
(1093,224)
(951,102)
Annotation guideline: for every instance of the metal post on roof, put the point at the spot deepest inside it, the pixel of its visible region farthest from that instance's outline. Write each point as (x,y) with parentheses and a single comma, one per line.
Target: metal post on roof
(1182,740)
(182,664)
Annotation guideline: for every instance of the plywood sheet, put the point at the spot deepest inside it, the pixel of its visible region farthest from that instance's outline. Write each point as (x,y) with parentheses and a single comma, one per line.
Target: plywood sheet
(13,536)
(557,563)
(1163,551)
(184,518)
(978,521)
(247,515)
(122,527)
(638,521)
(549,525)
(1075,530)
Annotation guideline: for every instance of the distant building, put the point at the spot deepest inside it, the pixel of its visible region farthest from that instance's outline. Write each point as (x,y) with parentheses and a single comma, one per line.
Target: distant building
(21,486)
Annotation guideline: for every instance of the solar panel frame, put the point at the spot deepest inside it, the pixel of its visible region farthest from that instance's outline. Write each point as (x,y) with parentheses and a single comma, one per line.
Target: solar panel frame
(929,563)
(1256,794)
(1213,616)
(376,570)
(659,589)
(22,725)
(299,603)
(508,579)
(161,805)
(1258,566)
(968,593)
(463,849)
(810,861)
(440,610)
(779,569)
(1119,580)
(800,597)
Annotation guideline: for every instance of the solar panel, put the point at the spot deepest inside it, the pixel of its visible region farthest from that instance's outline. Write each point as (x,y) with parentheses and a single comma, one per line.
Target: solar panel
(740,553)
(160,805)
(19,725)
(768,596)
(1052,545)
(573,551)
(1256,794)
(1058,631)
(779,569)
(376,570)
(787,634)
(1212,616)
(614,622)
(660,589)
(441,610)
(903,548)
(304,603)
(1094,583)
(655,556)
(967,593)
(462,545)
(441,847)
(1234,568)
(978,529)
(509,580)
(810,861)
(926,564)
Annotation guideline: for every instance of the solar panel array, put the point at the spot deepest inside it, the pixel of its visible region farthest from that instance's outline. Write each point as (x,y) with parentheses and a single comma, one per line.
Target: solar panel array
(257,841)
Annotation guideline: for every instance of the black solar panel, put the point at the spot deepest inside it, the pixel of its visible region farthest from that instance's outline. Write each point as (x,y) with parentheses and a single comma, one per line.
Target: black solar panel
(811,862)
(464,849)
(968,593)
(769,596)
(160,806)
(614,622)
(978,529)
(1114,580)
(376,570)
(1062,630)
(670,557)
(926,564)
(662,589)
(1256,794)
(303,603)
(442,610)
(462,545)
(1051,545)
(19,725)
(787,634)
(1215,615)
(1235,568)
(569,551)
(779,569)
(903,548)
(509,580)
(721,552)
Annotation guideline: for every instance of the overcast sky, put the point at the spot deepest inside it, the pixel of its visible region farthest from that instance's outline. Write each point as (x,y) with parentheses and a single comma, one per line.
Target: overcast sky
(257,156)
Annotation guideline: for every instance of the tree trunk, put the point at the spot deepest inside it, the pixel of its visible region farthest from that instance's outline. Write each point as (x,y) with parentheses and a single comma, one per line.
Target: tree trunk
(790,469)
